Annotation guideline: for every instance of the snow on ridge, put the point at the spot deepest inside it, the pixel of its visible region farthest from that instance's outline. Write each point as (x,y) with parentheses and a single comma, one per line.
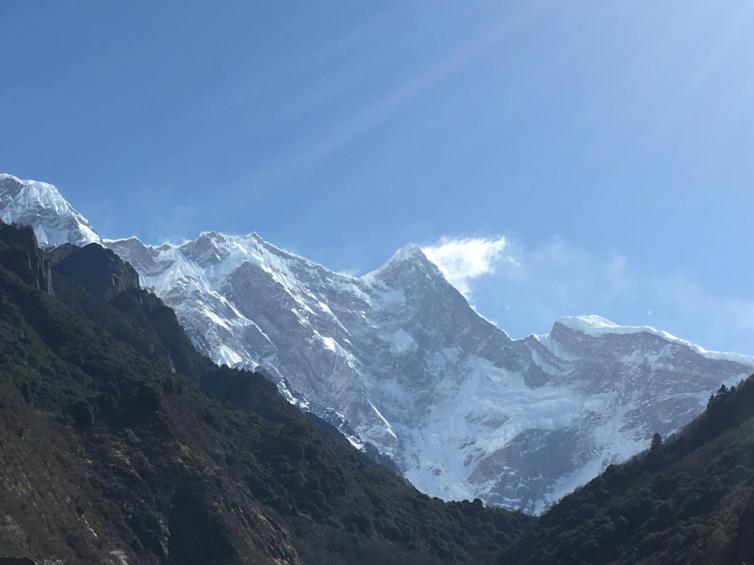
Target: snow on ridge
(27,182)
(41,193)
(123,239)
(406,254)
(24,201)
(597,326)
(8,176)
(270,250)
(594,325)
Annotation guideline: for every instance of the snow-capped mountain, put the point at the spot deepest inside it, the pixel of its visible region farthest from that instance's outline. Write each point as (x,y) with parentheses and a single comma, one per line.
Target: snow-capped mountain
(404,361)
(40,205)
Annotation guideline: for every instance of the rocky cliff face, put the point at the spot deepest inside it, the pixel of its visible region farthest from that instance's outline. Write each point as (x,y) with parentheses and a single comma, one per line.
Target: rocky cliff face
(19,252)
(95,268)
(397,358)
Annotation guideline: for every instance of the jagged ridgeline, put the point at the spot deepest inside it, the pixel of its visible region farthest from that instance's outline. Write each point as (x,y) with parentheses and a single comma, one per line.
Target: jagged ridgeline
(121,444)
(404,367)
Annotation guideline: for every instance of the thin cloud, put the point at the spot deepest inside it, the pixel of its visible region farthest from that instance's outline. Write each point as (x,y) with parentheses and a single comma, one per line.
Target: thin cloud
(463,260)
(526,289)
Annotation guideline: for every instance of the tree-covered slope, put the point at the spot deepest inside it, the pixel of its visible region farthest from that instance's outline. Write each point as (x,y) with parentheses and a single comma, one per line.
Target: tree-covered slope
(120,444)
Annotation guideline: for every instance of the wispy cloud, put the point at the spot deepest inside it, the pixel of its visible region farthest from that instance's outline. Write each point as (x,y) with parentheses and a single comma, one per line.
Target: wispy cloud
(463,260)
(526,288)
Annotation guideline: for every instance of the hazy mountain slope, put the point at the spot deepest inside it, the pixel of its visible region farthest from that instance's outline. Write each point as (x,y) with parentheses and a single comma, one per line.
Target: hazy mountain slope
(688,502)
(111,453)
(399,359)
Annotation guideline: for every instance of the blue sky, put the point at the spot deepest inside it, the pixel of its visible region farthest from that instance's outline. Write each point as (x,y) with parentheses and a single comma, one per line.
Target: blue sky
(610,144)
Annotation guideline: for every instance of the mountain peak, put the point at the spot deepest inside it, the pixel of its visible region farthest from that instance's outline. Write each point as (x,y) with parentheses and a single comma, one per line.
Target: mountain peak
(408,255)
(32,192)
(407,262)
(593,325)
(410,252)
(41,206)
(596,326)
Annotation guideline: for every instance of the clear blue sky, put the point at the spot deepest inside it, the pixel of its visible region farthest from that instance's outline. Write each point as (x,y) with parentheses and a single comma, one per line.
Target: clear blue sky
(610,142)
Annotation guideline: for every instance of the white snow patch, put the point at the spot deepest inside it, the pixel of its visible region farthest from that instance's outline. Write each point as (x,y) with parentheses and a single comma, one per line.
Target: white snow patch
(330,344)
(224,355)
(389,428)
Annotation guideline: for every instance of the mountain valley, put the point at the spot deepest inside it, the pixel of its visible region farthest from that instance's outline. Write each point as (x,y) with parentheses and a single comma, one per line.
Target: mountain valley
(399,361)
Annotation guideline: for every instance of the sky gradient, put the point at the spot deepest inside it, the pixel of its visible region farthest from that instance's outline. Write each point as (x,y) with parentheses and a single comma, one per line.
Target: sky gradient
(604,149)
